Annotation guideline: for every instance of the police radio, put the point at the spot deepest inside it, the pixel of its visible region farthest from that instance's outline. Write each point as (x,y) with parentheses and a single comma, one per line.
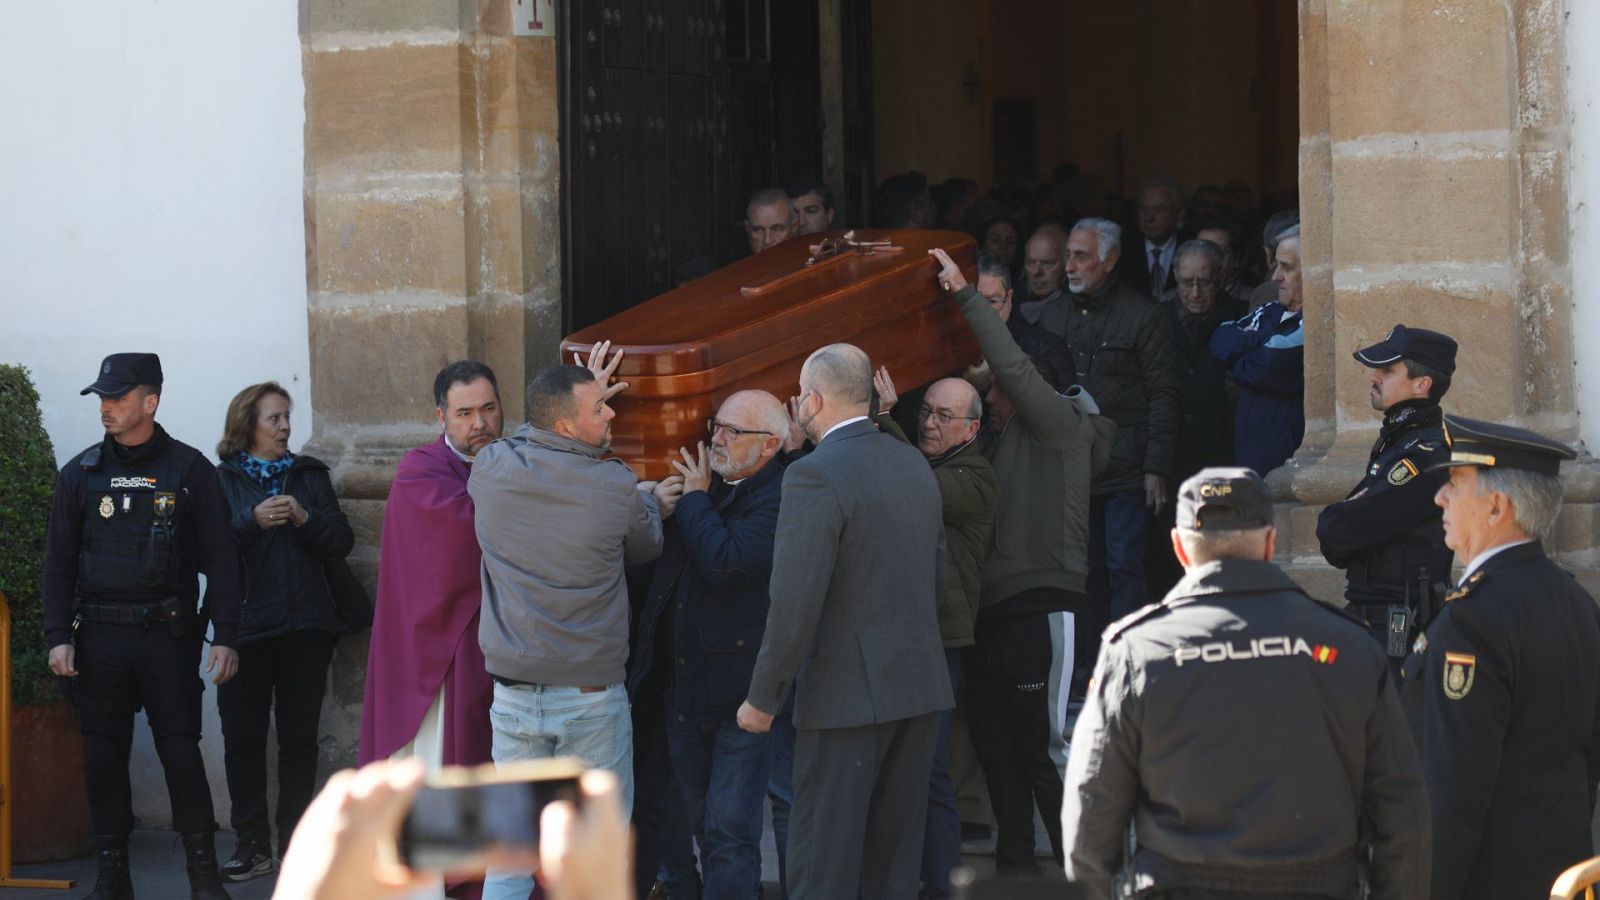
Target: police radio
(1396,641)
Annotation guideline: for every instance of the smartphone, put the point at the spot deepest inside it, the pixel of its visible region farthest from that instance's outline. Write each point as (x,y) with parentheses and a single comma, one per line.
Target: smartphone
(466,819)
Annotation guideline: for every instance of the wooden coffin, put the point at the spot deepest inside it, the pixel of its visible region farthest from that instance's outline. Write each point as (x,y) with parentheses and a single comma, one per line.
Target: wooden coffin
(752,324)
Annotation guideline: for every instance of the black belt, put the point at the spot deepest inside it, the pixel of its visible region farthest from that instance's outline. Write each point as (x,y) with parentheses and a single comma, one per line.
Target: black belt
(166,609)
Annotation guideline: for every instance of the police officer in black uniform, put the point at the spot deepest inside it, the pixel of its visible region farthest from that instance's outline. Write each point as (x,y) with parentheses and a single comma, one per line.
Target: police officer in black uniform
(1252,735)
(135,518)
(1386,534)
(1503,690)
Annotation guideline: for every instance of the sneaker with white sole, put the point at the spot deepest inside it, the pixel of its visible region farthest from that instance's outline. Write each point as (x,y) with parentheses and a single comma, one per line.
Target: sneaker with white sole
(250,860)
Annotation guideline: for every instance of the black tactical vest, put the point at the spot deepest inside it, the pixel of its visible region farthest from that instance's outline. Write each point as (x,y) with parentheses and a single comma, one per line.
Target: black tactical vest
(138,539)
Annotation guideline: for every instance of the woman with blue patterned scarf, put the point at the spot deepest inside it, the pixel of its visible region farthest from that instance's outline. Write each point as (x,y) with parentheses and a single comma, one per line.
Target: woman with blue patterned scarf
(286,522)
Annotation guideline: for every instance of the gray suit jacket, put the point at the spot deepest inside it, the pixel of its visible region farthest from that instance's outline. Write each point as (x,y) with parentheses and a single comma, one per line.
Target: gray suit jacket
(857,574)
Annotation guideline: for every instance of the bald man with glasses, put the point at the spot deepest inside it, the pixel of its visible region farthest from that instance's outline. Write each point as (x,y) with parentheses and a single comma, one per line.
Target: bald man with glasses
(949,420)
(698,632)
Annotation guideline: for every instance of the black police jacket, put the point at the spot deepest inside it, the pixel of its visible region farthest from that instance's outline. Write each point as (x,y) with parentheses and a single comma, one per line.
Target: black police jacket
(709,592)
(107,499)
(1503,697)
(285,588)
(1387,534)
(1253,737)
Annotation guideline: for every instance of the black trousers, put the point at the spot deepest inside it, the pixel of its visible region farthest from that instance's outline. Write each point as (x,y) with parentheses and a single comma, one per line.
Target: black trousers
(120,669)
(663,846)
(286,675)
(1008,715)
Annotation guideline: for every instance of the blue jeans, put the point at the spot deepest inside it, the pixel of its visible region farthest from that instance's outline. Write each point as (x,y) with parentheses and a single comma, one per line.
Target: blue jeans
(539,721)
(1118,527)
(941,837)
(722,773)
(780,789)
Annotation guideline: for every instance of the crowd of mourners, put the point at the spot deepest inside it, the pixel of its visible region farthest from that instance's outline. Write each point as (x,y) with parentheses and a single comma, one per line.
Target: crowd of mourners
(886,621)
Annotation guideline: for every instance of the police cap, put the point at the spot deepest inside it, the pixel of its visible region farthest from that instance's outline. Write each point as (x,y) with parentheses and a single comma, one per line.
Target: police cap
(122,372)
(1432,349)
(1476,443)
(1224,499)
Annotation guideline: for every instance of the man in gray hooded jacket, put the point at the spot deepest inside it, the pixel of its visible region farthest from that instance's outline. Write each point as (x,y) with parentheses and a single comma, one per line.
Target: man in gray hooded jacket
(557,524)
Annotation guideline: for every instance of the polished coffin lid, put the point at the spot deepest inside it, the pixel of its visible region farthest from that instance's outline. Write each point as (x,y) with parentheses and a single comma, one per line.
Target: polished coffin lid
(752,324)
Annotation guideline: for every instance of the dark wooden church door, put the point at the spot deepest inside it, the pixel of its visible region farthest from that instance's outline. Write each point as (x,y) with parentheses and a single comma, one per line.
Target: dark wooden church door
(674,111)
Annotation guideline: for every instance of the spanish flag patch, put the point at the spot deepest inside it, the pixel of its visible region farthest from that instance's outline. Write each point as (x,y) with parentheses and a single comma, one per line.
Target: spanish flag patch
(1459,670)
(1403,471)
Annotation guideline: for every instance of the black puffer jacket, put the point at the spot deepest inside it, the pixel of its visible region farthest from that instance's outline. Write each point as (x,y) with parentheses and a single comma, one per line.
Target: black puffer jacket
(284,585)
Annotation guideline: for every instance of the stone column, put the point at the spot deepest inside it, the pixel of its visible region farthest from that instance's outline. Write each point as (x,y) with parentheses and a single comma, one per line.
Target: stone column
(432,234)
(1433,192)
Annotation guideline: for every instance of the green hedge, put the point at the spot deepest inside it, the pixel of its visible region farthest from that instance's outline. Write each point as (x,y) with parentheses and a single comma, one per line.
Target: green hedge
(27,484)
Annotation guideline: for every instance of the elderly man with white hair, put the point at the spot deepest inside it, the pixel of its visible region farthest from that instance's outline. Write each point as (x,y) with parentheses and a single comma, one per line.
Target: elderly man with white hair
(1265,354)
(1502,690)
(1123,350)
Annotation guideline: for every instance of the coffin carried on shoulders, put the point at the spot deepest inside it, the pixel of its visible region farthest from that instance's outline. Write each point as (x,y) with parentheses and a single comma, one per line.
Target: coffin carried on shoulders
(751,324)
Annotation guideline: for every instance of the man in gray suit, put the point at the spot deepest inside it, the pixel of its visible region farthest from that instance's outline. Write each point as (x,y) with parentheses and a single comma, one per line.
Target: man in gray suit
(857,575)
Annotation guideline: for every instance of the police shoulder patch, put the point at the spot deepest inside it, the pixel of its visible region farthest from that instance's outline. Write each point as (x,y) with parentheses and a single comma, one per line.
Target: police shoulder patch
(1459,671)
(1402,472)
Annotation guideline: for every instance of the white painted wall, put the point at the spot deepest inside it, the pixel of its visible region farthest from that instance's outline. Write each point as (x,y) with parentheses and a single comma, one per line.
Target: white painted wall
(1583,93)
(150,199)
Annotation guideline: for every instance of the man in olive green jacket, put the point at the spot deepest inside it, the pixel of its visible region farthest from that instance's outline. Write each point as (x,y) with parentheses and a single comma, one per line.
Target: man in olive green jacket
(1046,448)
(949,417)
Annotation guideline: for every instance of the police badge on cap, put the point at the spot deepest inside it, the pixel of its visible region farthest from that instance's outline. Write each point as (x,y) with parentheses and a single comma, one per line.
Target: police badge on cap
(1431,348)
(122,372)
(1494,446)
(1222,499)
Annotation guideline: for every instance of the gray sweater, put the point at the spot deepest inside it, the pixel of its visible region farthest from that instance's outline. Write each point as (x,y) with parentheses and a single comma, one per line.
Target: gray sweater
(557,524)
(1045,458)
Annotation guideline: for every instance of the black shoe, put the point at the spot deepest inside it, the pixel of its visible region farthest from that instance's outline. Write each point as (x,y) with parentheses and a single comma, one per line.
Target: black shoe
(250,859)
(1017,868)
(204,882)
(113,881)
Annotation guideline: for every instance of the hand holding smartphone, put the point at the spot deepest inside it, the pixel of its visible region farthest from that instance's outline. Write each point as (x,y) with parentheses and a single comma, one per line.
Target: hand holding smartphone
(379,833)
(465,820)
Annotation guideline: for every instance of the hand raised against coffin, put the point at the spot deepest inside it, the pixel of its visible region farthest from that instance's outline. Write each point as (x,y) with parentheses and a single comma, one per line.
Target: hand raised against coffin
(796,438)
(696,469)
(950,277)
(602,369)
(884,385)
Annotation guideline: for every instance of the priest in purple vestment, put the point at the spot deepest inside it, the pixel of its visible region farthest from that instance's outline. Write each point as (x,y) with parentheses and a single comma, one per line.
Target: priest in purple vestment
(428,693)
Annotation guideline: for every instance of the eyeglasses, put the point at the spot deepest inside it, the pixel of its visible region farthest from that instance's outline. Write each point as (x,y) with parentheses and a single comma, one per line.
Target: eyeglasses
(939,415)
(713,426)
(1195,284)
